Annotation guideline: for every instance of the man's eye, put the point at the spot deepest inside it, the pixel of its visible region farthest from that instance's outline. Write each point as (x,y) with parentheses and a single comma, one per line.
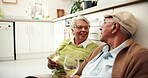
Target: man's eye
(79,27)
(86,27)
(104,23)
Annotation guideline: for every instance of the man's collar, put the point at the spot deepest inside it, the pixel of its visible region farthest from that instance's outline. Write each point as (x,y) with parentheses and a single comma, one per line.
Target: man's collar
(83,44)
(116,50)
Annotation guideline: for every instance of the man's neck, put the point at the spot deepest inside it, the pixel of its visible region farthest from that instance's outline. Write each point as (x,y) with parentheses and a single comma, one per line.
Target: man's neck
(77,41)
(117,41)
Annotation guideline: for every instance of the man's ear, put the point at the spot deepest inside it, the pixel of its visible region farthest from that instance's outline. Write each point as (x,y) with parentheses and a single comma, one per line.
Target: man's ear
(72,30)
(115,27)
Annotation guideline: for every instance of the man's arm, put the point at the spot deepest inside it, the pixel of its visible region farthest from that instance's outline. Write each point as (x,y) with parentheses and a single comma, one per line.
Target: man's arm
(89,58)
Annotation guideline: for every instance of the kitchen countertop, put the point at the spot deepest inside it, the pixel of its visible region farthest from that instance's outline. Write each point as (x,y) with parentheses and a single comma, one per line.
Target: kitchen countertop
(25,20)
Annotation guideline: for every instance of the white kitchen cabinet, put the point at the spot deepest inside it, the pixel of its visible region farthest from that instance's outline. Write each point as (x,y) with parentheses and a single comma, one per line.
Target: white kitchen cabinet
(34,37)
(48,37)
(58,33)
(22,37)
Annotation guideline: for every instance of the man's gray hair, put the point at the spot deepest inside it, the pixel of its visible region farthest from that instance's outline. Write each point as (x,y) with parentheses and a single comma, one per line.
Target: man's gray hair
(122,29)
(126,19)
(125,32)
(74,19)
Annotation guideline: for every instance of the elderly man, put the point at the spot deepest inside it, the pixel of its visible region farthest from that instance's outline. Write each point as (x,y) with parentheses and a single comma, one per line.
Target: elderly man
(79,45)
(121,57)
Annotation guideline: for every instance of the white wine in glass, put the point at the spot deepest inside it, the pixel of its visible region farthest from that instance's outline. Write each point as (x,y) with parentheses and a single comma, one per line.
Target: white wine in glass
(71,65)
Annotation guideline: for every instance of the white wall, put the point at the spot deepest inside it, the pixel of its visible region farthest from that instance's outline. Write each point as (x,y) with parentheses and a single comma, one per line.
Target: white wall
(21,9)
(141,13)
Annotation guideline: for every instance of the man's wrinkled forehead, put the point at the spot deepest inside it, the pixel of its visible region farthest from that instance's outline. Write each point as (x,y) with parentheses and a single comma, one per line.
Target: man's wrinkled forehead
(108,18)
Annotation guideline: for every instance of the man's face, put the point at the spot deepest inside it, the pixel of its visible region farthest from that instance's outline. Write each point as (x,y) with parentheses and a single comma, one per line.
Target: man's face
(81,30)
(106,29)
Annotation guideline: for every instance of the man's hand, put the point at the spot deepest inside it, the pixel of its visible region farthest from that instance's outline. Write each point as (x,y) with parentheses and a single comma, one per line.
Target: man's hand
(51,61)
(75,76)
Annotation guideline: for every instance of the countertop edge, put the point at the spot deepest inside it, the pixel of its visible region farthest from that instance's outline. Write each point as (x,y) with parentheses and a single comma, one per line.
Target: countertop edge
(25,20)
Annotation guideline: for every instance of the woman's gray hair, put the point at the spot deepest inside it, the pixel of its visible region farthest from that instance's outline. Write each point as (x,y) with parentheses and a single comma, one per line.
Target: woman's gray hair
(74,19)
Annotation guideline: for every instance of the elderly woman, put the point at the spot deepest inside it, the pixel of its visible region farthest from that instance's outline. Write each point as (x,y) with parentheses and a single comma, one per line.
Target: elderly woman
(79,45)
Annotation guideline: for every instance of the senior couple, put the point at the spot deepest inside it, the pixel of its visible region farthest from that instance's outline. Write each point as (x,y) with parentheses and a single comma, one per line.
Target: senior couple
(120,57)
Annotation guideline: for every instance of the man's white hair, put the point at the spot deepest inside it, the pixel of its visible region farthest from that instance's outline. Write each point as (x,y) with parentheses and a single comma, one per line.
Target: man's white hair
(73,22)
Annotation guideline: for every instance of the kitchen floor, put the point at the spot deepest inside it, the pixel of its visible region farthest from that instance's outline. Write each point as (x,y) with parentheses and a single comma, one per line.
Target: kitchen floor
(21,68)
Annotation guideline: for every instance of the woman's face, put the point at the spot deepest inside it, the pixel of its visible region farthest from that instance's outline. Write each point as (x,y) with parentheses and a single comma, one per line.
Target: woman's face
(81,30)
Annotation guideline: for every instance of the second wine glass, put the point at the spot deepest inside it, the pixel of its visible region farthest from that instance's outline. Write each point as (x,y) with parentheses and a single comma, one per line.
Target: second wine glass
(71,65)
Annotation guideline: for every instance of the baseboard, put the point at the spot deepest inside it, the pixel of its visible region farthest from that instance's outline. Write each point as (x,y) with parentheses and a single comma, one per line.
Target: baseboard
(6,58)
(33,55)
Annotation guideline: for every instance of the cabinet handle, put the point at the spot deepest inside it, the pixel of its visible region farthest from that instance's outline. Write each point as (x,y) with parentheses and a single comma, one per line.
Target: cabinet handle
(31,29)
(27,30)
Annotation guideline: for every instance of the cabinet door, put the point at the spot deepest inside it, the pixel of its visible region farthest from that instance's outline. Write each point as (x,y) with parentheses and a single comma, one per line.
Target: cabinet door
(58,33)
(22,37)
(36,37)
(48,37)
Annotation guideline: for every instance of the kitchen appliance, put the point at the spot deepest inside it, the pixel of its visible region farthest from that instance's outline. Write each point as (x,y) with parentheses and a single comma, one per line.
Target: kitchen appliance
(7,41)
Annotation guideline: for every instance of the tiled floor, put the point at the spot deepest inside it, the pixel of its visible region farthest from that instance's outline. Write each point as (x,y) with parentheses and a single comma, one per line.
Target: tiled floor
(23,67)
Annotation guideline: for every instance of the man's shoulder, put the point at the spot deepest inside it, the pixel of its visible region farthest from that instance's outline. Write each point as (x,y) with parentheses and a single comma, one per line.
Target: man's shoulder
(135,46)
(66,41)
(94,44)
(98,49)
(137,51)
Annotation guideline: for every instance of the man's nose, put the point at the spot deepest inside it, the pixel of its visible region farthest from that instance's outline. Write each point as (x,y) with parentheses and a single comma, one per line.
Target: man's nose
(83,29)
(100,28)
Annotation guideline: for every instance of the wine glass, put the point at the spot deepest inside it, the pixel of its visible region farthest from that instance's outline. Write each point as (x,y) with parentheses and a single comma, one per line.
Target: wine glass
(71,65)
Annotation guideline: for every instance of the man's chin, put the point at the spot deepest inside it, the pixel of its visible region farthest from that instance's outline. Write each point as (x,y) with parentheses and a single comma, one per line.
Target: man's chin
(101,40)
(83,38)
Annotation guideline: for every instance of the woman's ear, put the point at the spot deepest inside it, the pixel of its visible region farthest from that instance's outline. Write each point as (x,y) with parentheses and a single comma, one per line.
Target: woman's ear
(115,28)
